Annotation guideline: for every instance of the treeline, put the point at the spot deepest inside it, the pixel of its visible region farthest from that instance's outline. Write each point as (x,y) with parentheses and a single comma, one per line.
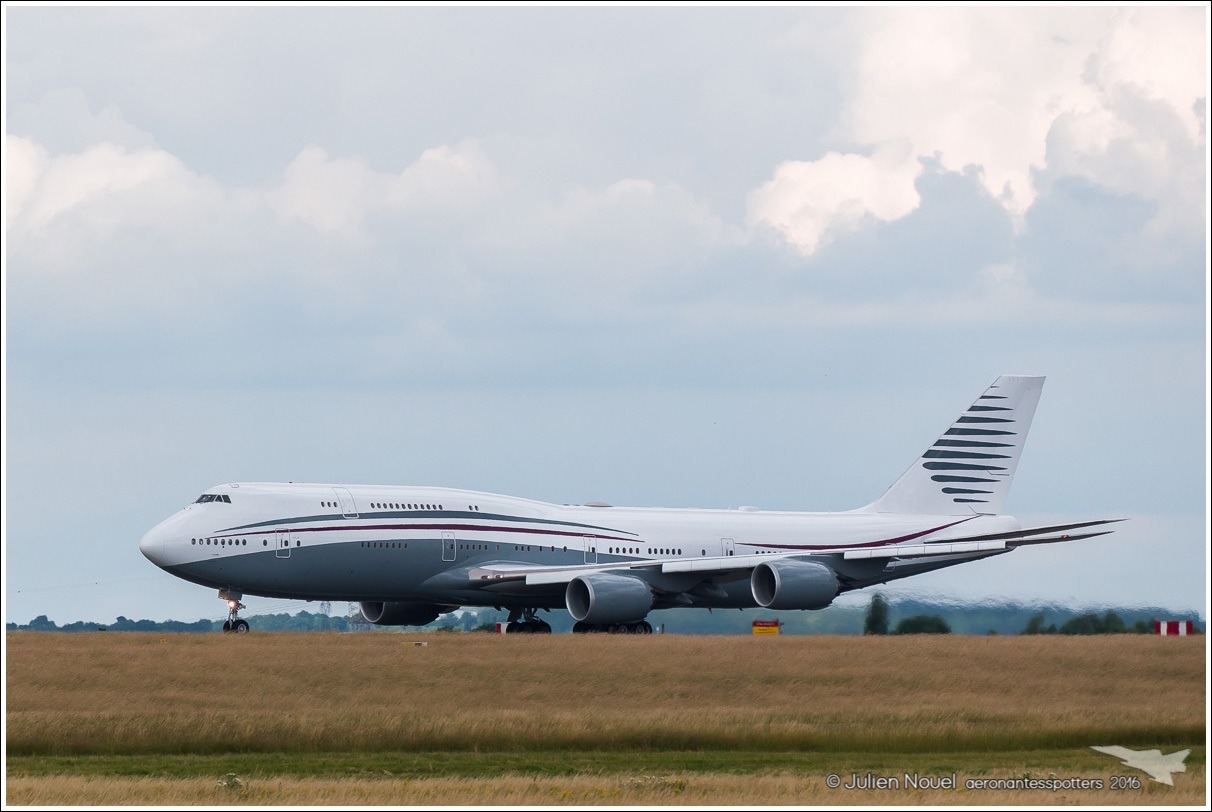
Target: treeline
(1090,623)
(899,617)
(301,622)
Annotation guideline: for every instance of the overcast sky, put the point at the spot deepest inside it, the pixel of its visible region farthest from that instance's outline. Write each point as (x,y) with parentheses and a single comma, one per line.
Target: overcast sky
(657,256)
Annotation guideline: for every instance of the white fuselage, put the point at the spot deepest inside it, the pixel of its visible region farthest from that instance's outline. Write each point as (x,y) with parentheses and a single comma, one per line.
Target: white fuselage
(393,543)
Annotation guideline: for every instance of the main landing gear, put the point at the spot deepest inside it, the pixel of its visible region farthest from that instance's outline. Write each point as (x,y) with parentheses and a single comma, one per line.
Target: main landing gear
(529,625)
(233,623)
(643,627)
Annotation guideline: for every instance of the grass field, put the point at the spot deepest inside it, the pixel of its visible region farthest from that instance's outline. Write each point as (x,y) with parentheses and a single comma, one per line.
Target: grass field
(512,717)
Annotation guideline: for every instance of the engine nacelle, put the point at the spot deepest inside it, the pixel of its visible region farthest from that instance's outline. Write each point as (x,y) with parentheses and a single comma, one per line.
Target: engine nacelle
(383,613)
(603,598)
(793,585)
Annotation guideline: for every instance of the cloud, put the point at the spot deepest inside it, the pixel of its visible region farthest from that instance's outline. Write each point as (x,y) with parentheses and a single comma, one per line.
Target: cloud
(63,207)
(809,202)
(338,195)
(24,162)
(1108,94)
(62,121)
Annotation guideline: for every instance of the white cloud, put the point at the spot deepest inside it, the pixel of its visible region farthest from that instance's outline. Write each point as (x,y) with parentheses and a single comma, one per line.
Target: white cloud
(24,163)
(1145,136)
(810,201)
(330,195)
(65,208)
(62,122)
(1161,51)
(977,86)
(338,195)
(988,87)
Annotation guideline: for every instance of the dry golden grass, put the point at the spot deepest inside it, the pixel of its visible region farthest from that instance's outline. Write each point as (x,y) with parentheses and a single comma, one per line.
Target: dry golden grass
(318,692)
(613,790)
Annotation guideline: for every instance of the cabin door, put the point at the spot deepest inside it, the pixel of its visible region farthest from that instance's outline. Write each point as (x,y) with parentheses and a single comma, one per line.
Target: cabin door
(591,550)
(727,547)
(448,546)
(282,544)
(348,509)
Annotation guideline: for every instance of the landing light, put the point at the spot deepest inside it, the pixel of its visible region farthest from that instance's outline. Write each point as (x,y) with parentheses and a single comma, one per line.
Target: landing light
(231,604)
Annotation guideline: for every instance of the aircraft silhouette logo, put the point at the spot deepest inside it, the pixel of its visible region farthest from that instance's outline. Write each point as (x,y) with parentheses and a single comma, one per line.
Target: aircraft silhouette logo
(1158,767)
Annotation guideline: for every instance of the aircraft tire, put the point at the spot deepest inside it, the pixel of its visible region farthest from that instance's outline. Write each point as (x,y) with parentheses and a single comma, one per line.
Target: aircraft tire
(542,627)
(241,627)
(516,628)
(226,626)
(644,627)
(581,627)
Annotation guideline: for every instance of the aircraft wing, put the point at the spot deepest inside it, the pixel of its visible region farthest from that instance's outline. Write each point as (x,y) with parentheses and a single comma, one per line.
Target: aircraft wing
(532,575)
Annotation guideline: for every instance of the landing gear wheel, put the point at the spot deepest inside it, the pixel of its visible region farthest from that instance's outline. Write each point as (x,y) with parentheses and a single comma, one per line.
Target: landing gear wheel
(581,627)
(233,622)
(645,627)
(523,621)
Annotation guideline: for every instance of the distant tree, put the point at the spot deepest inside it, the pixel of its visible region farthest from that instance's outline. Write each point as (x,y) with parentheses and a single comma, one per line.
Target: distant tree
(445,623)
(1113,624)
(876,621)
(1088,623)
(923,624)
(1035,625)
(1142,626)
(42,624)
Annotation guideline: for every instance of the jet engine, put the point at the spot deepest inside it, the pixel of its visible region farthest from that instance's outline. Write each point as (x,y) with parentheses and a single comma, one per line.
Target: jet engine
(793,585)
(603,598)
(400,614)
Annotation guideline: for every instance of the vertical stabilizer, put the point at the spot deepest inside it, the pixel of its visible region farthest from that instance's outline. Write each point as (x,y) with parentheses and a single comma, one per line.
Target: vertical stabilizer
(970,467)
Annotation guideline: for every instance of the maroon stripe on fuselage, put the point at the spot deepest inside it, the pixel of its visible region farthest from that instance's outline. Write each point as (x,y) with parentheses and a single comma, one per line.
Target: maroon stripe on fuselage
(531,531)
(881,543)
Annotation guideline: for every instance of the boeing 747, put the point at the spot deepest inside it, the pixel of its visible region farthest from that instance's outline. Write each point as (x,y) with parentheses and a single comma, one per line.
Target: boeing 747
(408,554)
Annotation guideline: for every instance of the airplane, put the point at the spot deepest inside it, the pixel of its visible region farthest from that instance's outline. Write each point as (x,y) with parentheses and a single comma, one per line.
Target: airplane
(1159,767)
(408,554)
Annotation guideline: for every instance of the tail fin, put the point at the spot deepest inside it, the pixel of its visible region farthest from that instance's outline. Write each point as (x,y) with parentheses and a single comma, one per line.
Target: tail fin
(970,467)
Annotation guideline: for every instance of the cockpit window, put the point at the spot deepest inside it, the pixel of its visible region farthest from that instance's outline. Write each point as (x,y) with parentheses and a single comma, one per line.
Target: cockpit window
(213,497)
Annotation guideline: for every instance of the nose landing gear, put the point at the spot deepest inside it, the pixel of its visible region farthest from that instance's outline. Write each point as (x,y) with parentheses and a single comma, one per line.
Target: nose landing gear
(234,622)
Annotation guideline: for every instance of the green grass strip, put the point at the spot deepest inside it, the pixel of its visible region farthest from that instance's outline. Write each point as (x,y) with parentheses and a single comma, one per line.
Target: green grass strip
(553,764)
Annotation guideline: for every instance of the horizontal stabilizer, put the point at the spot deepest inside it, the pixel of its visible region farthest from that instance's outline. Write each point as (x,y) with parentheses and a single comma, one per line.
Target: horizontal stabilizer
(1035,531)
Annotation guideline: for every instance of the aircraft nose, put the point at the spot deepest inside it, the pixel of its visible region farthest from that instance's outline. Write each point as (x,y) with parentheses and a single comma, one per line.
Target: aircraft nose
(152,546)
